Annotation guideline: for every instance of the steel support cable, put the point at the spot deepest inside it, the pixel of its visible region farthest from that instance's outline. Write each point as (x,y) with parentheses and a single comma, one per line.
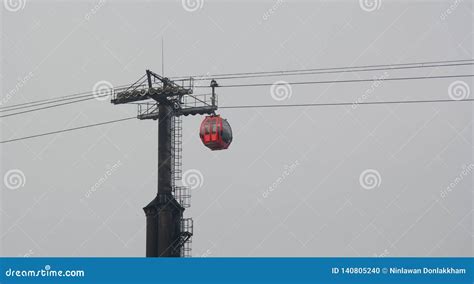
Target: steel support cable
(302,73)
(51,106)
(378,67)
(342,81)
(329,68)
(252,106)
(57,99)
(67,130)
(267,84)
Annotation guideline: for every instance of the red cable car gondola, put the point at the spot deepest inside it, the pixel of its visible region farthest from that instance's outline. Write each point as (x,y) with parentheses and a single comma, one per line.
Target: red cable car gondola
(215,132)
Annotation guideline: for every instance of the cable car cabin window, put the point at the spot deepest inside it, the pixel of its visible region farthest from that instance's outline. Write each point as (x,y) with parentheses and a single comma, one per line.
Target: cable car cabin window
(226,132)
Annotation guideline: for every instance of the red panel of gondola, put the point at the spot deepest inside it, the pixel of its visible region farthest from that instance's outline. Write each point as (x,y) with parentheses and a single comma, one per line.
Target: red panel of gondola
(215,133)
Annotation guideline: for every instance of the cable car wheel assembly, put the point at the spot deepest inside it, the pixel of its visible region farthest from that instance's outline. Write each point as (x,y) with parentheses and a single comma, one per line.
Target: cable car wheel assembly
(215,132)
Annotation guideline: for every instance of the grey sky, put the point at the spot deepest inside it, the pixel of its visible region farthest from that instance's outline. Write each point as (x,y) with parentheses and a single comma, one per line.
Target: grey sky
(289,185)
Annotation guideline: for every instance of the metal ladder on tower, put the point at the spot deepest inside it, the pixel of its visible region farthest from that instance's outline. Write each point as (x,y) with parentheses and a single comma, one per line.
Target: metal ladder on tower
(181,193)
(176,149)
(186,237)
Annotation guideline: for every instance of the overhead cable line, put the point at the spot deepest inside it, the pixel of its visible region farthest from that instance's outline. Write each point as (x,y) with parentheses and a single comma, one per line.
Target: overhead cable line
(339,71)
(388,66)
(57,99)
(346,104)
(302,73)
(342,81)
(46,103)
(68,129)
(241,75)
(264,84)
(251,106)
(51,106)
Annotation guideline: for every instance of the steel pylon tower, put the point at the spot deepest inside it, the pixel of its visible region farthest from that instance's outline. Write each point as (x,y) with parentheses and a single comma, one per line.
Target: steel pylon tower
(168,234)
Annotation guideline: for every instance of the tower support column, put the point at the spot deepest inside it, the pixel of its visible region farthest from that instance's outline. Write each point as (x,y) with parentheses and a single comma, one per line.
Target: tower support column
(164,213)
